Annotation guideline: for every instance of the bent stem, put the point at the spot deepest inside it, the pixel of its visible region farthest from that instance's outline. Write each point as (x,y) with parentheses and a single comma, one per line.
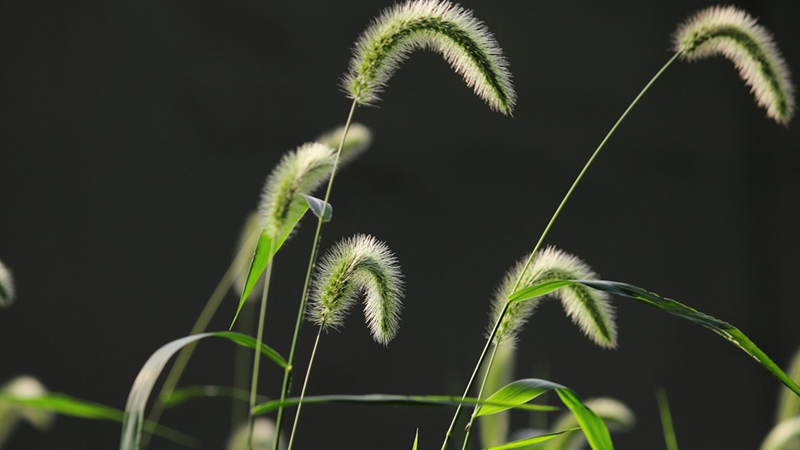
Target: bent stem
(287,377)
(259,340)
(303,391)
(550,225)
(212,305)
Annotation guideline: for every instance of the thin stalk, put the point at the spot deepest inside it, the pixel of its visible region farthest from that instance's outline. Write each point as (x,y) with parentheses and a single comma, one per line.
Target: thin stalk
(552,221)
(287,377)
(666,420)
(479,397)
(450,430)
(303,391)
(259,340)
(212,305)
(241,363)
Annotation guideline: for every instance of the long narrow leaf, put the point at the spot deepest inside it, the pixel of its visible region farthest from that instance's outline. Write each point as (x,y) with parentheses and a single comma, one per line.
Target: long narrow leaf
(143,385)
(724,329)
(390,400)
(262,256)
(594,428)
(183,395)
(416,440)
(531,441)
(69,406)
(515,393)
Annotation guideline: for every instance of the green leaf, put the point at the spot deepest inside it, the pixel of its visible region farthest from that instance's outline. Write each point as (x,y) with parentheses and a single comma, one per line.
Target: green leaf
(494,428)
(390,400)
(416,439)
(538,290)
(594,428)
(670,440)
(531,441)
(143,385)
(262,255)
(724,329)
(69,406)
(183,395)
(316,206)
(515,393)
(789,403)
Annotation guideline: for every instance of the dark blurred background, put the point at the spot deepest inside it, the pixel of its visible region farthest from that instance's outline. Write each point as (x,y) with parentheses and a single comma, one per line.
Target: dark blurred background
(136,137)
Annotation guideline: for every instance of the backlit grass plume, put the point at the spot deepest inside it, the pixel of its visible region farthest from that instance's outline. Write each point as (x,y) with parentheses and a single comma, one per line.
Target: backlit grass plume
(588,308)
(357,141)
(443,27)
(22,387)
(6,286)
(359,264)
(733,33)
(299,172)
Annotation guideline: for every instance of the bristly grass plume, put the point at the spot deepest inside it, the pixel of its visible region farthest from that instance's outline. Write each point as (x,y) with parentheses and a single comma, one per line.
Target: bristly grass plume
(299,172)
(443,27)
(360,263)
(733,33)
(588,308)
(6,286)
(357,141)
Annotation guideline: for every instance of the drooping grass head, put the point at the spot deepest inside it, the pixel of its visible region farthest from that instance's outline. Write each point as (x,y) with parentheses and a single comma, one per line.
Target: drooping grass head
(354,265)
(436,25)
(299,172)
(733,33)
(6,286)
(590,309)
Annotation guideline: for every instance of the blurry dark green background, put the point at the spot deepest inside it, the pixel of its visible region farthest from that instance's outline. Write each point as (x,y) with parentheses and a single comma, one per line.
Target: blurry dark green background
(135,138)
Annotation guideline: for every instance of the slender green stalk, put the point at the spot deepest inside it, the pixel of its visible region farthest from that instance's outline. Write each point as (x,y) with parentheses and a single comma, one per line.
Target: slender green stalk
(287,377)
(550,225)
(303,391)
(479,397)
(259,339)
(666,419)
(175,373)
(241,365)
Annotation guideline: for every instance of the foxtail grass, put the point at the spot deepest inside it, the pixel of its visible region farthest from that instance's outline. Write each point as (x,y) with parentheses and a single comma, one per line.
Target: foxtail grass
(734,34)
(6,286)
(22,387)
(361,264)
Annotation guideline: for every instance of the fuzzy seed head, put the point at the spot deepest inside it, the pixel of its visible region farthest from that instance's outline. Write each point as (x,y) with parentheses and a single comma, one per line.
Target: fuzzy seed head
(6,286)
(590,309)
(435,25)
(355,265)
(25,387)
(358,140)
(733,33)
(299,172)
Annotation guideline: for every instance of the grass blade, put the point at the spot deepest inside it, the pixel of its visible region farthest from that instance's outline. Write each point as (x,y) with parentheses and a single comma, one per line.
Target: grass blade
(416,440)
(789,404)
(724,329)
(391,400)
(670,440)
(594,428)
(784,436)
(494,428)
(515,393)
(262,256)
(183,395)
(69,406)
(316,205)
(614,414)
(133,419)
(531,441)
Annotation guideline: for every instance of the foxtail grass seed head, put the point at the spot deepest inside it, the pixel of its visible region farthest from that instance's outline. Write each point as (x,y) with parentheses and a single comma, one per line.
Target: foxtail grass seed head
(359,264)
(6,286)
(299,172)
(358,140)
(436,25)
(24,387)
(590,309)
(733,33)
(263,436)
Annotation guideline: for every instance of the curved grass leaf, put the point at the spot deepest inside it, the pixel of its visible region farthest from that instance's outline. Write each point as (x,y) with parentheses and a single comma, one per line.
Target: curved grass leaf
(416,440)
(316,205)
(614,414)
(724,329)
(262,256)
(515,393)
(390,400)
(593,428)
(183,395)
(143,385)
(789,404)
(532,441)
(783,435)
(69,406)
